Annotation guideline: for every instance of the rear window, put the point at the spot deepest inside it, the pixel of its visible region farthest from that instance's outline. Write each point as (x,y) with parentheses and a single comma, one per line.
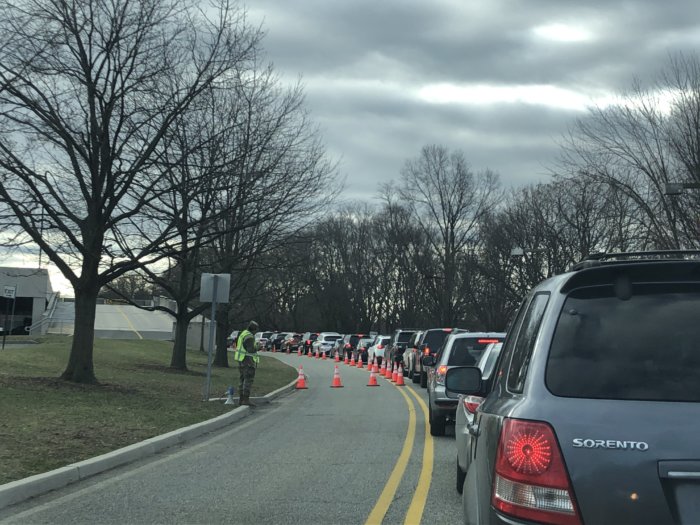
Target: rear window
(354,339)
(313,337)
(331,337)
(466,351)
(434,338)
(646,347)
(403,337)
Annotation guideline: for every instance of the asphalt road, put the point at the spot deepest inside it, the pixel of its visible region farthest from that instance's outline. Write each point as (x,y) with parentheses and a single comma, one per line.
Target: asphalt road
(318,456)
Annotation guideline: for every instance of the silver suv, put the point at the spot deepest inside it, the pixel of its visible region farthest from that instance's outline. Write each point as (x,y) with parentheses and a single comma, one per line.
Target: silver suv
(591,414)
(459,349)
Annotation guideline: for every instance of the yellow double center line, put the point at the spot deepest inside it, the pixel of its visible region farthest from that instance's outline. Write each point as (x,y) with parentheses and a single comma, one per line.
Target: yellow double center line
(415,509)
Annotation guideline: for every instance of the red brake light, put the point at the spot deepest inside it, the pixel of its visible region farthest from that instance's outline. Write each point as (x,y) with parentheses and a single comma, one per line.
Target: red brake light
(426,351)
(448,330)
(442,370)
(531,480)
(308,341)
(487,341)
(380,347)
(471,403)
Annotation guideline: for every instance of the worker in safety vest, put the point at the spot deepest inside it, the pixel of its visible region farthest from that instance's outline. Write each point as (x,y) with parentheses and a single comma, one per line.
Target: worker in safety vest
(247,356)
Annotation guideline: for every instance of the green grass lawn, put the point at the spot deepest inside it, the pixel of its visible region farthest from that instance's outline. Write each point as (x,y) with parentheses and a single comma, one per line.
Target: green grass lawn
(46,423)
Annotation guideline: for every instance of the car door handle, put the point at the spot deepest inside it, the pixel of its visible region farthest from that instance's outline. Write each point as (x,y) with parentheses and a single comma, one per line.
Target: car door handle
(473,429)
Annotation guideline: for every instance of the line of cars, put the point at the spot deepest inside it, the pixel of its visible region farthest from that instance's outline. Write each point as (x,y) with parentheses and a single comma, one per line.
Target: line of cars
(587,412)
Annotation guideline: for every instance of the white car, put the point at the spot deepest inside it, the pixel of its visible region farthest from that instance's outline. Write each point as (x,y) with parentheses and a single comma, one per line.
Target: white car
(325,342)
(378,347)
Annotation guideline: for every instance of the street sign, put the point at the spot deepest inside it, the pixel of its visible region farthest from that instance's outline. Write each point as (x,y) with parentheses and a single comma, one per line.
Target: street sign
(206,287)
(9,292)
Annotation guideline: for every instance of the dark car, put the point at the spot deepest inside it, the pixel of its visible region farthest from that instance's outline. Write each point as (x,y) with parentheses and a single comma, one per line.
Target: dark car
(291,342)
(350,344)
(397,346)
(277,341)
(308,340)
(429,344)
(459,349)
(591,414)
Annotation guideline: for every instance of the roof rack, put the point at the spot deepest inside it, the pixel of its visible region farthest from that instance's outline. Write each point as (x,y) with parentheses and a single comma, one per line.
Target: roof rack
(598,259)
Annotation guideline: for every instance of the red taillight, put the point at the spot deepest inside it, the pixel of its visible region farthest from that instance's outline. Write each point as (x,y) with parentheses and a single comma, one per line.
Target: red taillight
(426,351)
(347,345)
(380,347)
(440,375)
(487,341)
(471,403)
(448,330)
(531,480)
(308,341)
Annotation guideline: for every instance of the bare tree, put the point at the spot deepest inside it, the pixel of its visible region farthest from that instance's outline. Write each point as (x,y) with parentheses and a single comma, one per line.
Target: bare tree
(449,201)
(88,90)
(649,137)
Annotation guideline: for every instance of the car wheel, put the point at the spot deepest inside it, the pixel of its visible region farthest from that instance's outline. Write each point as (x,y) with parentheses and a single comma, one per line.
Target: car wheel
(461,476)
(437,424)
(424,379)
(414,377)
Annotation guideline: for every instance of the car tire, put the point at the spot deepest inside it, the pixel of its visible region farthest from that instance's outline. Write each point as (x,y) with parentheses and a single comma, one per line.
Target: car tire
(415,377)
(423,379)
(437,424)
(461,476)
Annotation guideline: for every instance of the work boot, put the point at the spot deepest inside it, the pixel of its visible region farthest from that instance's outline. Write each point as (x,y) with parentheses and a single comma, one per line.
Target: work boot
(244,400)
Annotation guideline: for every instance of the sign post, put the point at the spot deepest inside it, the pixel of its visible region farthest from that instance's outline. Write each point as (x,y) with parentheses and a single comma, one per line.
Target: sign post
(214,288)
(8,293)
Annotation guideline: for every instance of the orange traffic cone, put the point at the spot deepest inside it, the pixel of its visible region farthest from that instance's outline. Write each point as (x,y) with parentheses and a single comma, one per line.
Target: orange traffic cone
(337,357)
(352,360)
(399,377)
(310,353)
(372,378)
(317,356)
(382,370)
(323,355)
(336,379)
(359,361)
(393,374)
(346,360)
(375,366)
(301,380)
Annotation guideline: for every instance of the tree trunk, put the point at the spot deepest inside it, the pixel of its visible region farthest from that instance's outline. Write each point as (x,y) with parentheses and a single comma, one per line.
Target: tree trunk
(178,360)
(80,367)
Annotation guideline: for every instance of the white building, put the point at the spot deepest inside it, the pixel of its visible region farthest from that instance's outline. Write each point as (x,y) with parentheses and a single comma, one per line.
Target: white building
(25,295)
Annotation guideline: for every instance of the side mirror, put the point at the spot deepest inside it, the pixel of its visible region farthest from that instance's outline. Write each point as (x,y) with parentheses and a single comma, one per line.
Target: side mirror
(428,360)
(463,380)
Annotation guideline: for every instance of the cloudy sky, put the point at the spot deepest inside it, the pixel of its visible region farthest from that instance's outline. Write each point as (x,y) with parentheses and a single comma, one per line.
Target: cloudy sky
(501,80)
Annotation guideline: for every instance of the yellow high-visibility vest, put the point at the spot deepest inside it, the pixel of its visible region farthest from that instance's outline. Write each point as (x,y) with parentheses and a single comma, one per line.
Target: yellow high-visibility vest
(240,353)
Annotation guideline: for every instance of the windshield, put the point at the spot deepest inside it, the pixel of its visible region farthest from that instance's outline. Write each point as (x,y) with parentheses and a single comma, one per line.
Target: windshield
(643,348)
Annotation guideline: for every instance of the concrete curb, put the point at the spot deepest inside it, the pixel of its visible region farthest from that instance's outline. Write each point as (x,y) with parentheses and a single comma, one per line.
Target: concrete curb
(24,489)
